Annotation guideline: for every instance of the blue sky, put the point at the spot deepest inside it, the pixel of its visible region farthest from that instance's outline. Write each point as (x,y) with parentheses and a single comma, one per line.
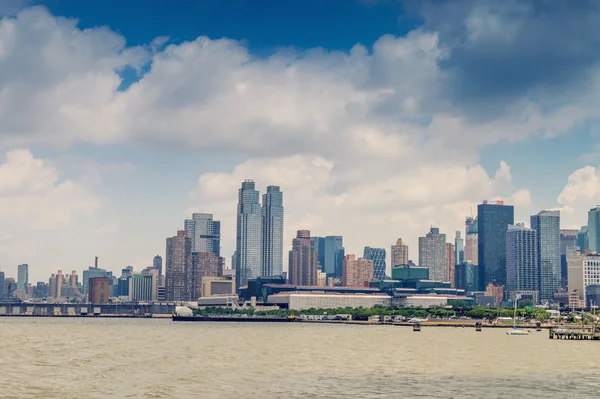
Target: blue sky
(377,118)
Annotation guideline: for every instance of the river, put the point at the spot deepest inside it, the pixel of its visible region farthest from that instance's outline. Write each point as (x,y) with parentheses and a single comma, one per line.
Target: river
(151,358)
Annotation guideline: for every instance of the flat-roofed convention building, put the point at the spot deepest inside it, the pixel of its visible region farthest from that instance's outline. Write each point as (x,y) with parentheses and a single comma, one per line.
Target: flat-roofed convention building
(426,301)
(307,300)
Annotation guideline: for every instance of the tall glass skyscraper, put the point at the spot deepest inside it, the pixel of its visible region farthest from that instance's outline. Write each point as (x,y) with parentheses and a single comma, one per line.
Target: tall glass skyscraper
(334,256)
(522,259)
(377,255)
(272,232)
(547,225)
(23,277)
(248,236)
(493,220)
(459,248)
(583,241)
(593,232)
(319,245)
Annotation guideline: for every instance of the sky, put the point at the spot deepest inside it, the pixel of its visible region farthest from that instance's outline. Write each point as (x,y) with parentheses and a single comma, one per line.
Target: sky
(378,119)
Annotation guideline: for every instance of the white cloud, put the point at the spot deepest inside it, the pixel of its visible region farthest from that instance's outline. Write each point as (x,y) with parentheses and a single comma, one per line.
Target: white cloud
(581,193)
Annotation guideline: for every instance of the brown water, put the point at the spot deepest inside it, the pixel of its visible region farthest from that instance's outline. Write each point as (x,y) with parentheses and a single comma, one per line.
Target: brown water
(112,358)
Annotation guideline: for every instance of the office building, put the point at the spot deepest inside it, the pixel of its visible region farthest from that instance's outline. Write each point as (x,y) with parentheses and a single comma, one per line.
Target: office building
(568,240)
(377,255)
(143,287)
(204,264)
(432,254)
(466,276)
(272,232)
(356,272)
(99,289)
(582,240)
(248,236)
(584,271)
(493,220)
(178,267)
(41,290)
(204,233)
(332,257)
(22,277)
(2,277)
(496,291)
(399,255)
(303,260)
(213,285)
(593,232)
(158,265)
(406,273)
(321,279)
(450,263)
(471,241)
(547,225)
(92,272)
(319,245)
(522,259)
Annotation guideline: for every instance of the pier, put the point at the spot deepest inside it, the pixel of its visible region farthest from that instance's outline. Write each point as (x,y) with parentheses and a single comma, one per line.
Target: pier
(577,333)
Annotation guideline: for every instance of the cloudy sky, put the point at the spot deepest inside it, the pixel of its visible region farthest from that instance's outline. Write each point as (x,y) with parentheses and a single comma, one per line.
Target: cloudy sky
(377,118)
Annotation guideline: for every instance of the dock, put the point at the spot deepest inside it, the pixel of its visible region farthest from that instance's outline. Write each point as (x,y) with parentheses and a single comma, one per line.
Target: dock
(577,333)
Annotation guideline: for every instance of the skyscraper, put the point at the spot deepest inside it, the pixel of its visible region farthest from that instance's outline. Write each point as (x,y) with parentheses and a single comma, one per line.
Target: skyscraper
(356,272)
(450,263)
(23,277)
(204,264)
(459,248)
(493,220)
(272,232)
(522,267)
(334,256)
(179,267)
(303,260)
(157,264)
(204,232)
(248,237)
(432,254)
(547,225)
(319,245)
(471,240)
(583,241)
(568,242)
(1,284)
(377,255)
(399,255)
(593,233)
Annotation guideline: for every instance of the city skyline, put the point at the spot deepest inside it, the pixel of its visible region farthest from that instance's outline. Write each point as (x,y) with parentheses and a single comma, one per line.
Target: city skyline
(392,127)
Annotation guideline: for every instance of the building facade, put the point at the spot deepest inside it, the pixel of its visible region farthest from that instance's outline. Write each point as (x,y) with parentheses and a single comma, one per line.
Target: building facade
(459,248)
(432,254)
(593,230)
(333,256)
(303,260)
(272,232)
(99,290)
(466,276)
(493,220)
(547,225)
(204,264)
(204,233)
(568,241)
(399,253)
(522,259)
(157,263)
(582,240)
(450,263)
(357,272)
(178,267)
(471,240)
(143,287)
(377,255)
(249,234)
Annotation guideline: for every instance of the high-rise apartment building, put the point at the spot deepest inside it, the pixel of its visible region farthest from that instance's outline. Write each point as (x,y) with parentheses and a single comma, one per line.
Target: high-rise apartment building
(399,255)
(377,255)
(471,240)
(459,248)
(432,254)
(303,260)
(204,264)
(356,272)
(522,260)
(493,220)
(450,263)
(157,263)
(272,232)
(179,267)
(547,225)
(22,277)
(248,238)
(593,232)
(204,233)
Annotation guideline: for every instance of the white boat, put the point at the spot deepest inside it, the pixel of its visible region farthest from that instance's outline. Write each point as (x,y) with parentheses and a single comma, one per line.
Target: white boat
(515,330)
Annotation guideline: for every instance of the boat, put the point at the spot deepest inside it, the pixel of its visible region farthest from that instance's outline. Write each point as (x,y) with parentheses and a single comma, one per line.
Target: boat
(515,330)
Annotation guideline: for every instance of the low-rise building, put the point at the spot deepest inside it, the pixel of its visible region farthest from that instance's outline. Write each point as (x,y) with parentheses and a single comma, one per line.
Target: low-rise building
(302,301)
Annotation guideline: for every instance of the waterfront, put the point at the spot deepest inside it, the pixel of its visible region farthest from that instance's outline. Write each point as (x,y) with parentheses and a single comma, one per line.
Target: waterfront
(148,358)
